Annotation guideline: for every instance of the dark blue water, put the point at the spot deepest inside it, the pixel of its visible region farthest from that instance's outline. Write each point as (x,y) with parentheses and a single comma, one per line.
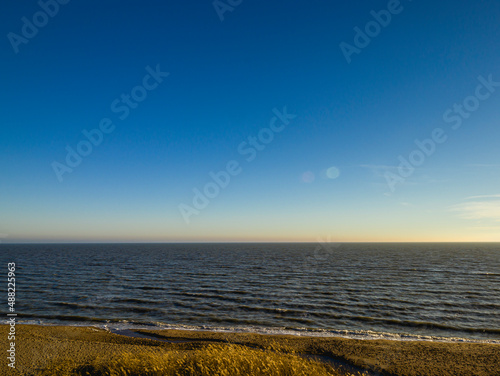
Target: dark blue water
(446,290)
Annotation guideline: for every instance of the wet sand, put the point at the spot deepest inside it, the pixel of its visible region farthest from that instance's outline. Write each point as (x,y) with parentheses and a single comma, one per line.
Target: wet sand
(38,346)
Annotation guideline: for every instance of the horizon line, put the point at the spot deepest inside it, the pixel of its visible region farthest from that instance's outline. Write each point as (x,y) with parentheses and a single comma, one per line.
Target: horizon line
(243,242)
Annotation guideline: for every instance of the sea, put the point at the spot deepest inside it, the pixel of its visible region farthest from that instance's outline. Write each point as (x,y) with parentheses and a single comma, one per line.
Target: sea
(399,291)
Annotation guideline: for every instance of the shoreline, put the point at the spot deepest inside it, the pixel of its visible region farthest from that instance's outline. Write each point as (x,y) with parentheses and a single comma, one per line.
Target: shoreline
(367,335)
(40,345)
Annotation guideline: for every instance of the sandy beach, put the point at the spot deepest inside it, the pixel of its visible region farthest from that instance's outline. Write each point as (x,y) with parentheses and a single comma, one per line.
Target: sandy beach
(40,347)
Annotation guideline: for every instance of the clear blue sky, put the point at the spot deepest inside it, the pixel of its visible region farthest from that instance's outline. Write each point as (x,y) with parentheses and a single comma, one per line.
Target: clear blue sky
(331,171)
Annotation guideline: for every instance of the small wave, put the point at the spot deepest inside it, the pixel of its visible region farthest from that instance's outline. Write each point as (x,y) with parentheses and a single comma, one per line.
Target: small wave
(118,324)
(48,319)
(486,273)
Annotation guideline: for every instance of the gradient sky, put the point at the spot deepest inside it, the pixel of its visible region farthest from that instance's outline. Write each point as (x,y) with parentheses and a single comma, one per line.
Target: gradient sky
(323,176)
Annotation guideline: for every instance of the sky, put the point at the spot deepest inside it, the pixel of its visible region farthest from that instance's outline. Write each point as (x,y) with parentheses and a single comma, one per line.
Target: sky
(230,120)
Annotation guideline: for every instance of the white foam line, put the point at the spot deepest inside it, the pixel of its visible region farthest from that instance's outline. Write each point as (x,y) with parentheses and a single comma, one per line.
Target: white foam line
(360,334)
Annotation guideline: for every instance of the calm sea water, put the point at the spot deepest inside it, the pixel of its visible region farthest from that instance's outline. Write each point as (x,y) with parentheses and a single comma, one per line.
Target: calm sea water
(356,290)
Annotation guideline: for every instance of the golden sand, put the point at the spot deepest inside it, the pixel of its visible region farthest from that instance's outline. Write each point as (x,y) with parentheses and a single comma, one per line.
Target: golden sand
(39,348)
